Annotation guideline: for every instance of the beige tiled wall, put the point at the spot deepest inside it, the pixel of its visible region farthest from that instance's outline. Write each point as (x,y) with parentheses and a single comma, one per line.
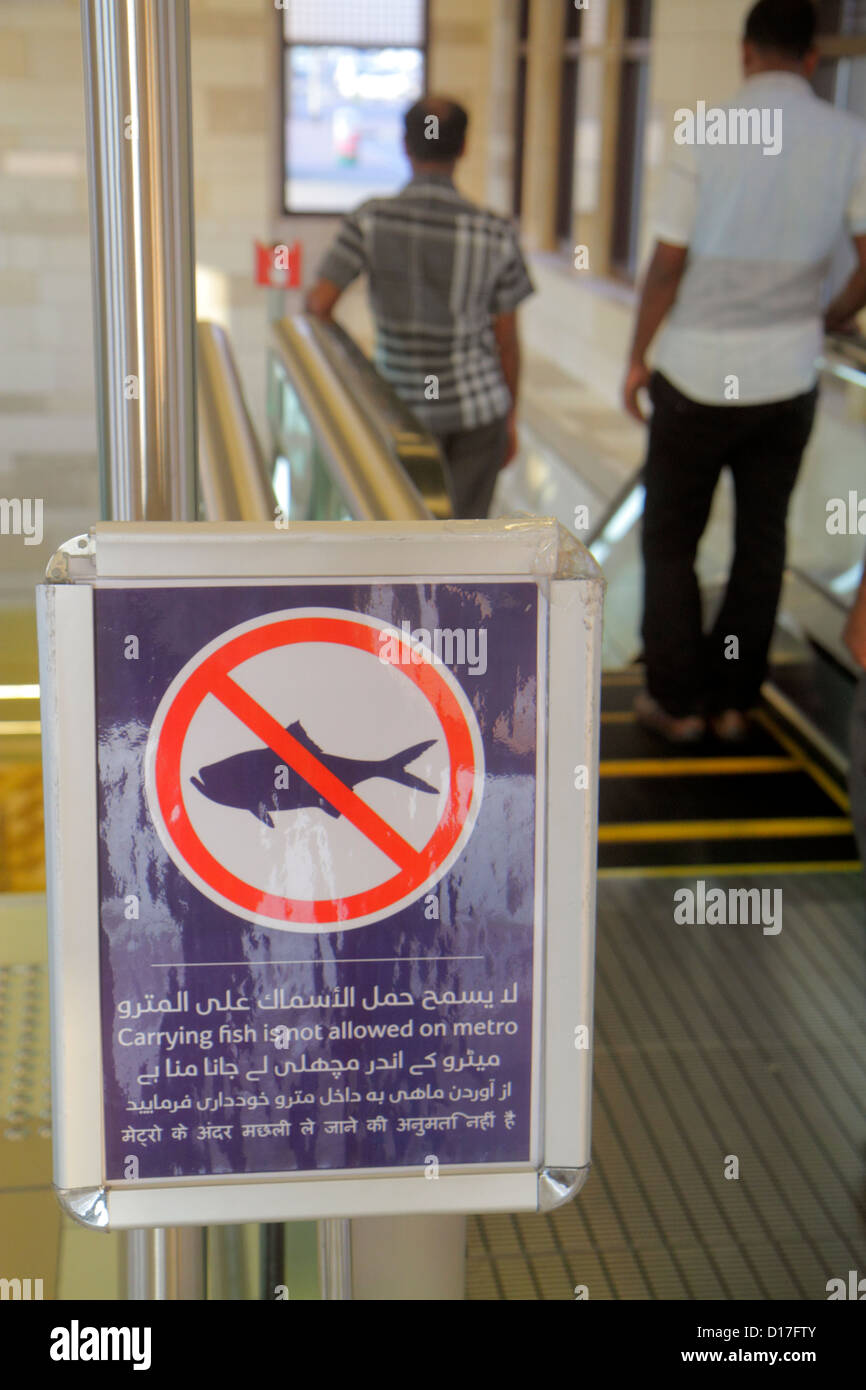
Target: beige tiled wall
(462,53)
(235,99)
(47,396)
(47,432)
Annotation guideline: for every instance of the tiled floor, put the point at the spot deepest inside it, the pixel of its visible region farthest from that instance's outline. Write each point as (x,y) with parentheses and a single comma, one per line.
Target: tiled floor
(712,1043)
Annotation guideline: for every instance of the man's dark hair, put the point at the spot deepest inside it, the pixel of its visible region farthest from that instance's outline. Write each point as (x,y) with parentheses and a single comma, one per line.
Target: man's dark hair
(428,142)
(786,27)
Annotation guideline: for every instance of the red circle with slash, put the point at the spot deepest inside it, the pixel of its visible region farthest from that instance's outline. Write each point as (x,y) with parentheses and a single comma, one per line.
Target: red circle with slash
(211,675)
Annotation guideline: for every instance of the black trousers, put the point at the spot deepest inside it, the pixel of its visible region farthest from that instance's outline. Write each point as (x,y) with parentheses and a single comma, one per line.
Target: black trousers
(474,458)
(689,445)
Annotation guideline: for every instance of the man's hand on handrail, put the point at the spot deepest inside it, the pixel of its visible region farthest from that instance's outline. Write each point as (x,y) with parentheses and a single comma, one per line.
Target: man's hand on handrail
(321,298)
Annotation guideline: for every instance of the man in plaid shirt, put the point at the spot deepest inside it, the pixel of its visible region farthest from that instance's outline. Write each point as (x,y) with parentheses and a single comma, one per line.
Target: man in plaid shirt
(445,280)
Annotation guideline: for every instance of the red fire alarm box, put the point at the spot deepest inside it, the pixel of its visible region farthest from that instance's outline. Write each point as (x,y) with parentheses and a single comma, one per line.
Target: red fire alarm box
(278,266)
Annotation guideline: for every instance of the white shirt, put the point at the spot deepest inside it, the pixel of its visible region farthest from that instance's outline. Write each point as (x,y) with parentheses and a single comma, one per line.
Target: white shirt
(762,232)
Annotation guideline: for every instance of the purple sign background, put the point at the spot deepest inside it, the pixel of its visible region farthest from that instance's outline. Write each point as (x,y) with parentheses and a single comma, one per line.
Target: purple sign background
(229,1047)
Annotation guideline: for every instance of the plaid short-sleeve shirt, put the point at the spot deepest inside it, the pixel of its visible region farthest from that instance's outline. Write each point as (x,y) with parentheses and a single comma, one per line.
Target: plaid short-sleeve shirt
(439,269)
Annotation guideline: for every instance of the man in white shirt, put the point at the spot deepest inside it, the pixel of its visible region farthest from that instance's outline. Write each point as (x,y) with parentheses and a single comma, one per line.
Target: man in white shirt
(754,204)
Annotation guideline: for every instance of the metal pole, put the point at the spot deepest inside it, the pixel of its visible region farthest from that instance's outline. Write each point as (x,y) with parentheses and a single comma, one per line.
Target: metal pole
(137,92)
(335,1259)
(166,1263)
(272,1258)
(136,61)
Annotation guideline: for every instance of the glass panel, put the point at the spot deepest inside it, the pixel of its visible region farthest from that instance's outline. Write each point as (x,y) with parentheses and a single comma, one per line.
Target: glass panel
(573,17)
(629,170)
(301,479)
(832,467)
(842,82)
(355,21)
(565,175)
(842,17)
(344,123)
(519,140)
(824,79)
(586,180)
(638,19)
(851,85)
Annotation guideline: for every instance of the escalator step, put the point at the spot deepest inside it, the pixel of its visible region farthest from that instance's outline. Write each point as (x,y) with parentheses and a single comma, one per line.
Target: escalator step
(827,853)
(771,800)
(759,796)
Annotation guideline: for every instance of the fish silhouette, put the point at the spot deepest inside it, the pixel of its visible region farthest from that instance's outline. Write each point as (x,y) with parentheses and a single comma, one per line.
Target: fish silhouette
(247,781)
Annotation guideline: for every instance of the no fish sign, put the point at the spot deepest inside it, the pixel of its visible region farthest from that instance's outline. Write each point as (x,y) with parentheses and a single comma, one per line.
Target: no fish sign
(320,897)
(314,768)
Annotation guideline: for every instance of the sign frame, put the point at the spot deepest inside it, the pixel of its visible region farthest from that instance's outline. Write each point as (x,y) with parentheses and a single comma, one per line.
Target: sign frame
(211,554)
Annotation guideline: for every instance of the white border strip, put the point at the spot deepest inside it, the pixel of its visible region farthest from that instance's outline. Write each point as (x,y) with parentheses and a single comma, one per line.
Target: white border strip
(573,711)
(566,818)
(216,1204)
(312,550)
(66,663)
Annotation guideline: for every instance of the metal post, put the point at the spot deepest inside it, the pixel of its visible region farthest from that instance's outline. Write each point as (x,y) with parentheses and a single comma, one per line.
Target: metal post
(272,1258)
(136,61)
(335,1259)
(166,1263)
(137,92)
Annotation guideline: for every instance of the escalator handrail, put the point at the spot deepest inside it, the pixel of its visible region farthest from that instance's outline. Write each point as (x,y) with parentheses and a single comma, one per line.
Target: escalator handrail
(233,475)
(383,463)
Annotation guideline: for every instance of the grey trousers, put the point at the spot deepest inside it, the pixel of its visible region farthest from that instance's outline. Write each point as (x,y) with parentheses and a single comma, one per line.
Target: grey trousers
(474,458)
(857,772)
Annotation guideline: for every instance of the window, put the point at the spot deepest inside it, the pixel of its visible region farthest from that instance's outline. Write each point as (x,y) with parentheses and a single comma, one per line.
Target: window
(520,103)
(840,77)
(350,70)
(843,17)
(605,82)
(568,119)
(638,19)
(631,126)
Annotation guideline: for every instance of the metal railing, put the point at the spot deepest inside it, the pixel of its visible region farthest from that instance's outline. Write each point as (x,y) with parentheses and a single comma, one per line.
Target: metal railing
(234,481)
(358,447)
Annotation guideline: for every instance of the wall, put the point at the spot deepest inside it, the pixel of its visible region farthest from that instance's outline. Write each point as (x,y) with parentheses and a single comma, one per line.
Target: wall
(47,400)
(470,59)
(584,324)
(235,108)
(47,428)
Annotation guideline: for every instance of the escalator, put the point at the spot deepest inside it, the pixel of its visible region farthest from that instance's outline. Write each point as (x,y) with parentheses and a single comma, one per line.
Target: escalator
(773,804)
(778,801)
